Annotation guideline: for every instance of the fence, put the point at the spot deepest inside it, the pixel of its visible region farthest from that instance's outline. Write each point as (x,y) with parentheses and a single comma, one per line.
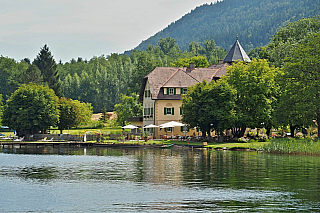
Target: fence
(67,137)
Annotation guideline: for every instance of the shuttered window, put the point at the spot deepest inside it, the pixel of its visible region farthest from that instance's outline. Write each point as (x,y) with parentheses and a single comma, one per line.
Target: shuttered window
(169,111)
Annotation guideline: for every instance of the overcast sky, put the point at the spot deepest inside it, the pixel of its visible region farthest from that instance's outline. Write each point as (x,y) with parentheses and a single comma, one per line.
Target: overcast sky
(83,28)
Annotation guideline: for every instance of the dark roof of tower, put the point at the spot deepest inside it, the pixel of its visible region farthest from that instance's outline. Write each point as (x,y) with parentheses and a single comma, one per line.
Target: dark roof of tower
(236,53)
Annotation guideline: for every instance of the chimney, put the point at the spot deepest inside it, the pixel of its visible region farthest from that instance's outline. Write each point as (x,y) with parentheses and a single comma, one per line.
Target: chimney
(191,67)
(220,61)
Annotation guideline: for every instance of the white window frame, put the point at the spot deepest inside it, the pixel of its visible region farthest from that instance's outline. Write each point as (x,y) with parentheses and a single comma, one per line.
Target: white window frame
(169,109)
(185,90)
(171,91)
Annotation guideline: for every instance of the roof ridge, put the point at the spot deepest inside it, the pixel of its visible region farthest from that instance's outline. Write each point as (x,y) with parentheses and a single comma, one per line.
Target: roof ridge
(170,77)
(215,72)
(191,76)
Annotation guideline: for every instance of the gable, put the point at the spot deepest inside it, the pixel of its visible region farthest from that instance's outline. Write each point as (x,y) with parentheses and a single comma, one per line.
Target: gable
(180,79)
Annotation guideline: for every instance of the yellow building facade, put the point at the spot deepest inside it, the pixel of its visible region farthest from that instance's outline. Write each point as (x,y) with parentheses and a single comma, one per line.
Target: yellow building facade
(162,90)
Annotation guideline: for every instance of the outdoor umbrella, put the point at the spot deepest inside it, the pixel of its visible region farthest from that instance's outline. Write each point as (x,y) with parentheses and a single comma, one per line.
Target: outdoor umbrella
(130,126)
(150,126)
(171,124)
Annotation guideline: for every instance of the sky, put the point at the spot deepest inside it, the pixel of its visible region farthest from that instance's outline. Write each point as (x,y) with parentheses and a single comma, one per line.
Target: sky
(83,28)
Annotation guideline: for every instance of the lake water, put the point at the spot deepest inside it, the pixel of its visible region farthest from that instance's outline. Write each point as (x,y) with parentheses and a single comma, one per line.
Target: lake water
(63,179)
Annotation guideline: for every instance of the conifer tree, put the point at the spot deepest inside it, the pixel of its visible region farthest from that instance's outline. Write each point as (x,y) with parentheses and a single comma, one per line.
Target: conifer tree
(48,67)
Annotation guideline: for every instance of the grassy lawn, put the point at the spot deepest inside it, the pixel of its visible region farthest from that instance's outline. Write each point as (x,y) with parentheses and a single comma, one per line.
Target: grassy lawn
(105,130)
(253,145)
(108,130)
(7,134)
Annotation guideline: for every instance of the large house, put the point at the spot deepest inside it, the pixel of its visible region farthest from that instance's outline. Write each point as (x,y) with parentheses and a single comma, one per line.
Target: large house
(162,88)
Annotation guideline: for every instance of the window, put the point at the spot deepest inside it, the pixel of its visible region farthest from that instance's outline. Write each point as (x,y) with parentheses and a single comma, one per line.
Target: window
(171,91)
(148,112)
(185,90)
(181,111)
(169,111)
(184,129)
(147,94)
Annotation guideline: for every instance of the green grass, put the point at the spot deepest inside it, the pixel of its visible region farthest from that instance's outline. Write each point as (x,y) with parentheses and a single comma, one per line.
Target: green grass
(7,134)
(293,146)
(253,145)
(106,130)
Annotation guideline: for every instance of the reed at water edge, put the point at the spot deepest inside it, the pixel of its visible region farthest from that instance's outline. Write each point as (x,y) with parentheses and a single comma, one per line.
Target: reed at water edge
(292,146)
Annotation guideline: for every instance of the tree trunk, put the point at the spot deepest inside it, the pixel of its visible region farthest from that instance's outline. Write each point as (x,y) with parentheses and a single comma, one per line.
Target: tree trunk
(238,132)
(268,131)
(292,128)
(242,131)
(258,130)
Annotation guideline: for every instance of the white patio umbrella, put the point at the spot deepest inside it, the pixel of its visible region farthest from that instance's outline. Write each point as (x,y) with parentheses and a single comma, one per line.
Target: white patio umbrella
(130,126)
(151,126)
(171,124)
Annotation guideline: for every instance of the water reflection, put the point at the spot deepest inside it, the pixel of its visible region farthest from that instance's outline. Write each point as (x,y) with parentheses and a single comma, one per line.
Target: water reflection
(167,179)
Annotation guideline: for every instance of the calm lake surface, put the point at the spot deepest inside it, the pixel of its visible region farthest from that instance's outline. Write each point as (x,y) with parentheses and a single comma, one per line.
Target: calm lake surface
(63,179)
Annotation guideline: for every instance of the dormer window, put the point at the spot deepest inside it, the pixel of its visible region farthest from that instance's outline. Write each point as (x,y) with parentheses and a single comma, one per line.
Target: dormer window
(184,91)
(171,91)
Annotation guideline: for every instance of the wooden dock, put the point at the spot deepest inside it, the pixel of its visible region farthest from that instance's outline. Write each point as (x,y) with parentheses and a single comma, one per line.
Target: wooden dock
(77,144)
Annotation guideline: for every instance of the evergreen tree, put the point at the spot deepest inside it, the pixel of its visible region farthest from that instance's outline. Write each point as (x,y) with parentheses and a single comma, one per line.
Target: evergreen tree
(48,67)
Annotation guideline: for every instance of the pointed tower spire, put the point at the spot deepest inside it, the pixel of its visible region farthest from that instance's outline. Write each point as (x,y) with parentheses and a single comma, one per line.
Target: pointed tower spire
(236,53)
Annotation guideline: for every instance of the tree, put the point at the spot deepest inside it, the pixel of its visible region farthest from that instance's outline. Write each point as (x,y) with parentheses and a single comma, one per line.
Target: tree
(287,38)
(7,68)
(209,106)
(196,48)
(256,93)
(143,66)
(301,83)
(30,109)
(85,112)
(25,76)
(129,106)
(166,44)
(199,61)
(69,114)
(48,67)
(1,108)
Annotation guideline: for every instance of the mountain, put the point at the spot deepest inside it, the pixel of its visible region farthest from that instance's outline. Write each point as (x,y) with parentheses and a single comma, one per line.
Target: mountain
(254,21)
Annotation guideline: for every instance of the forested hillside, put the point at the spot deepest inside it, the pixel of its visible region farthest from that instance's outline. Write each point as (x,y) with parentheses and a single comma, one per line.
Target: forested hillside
(101,80)
(254,21)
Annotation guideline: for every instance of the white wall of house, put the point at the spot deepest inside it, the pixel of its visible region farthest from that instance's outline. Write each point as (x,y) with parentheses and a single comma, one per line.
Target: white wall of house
(148,106)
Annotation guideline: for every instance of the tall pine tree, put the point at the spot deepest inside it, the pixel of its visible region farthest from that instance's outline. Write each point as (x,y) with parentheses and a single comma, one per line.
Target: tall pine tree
(48,67)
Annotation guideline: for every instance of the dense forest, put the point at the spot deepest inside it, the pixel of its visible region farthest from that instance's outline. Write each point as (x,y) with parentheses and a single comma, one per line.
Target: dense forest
(100,80)
(254,21)
(208,31)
